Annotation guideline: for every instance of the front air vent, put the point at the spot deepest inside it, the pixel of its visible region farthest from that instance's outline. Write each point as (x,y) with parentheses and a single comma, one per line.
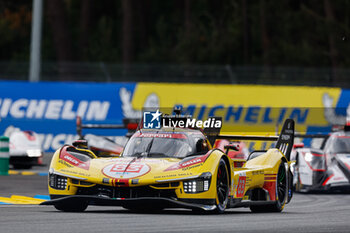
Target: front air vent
(81,182)
(166,185)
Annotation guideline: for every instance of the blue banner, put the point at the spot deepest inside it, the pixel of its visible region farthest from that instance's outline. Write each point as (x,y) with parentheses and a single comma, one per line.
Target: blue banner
(50,108)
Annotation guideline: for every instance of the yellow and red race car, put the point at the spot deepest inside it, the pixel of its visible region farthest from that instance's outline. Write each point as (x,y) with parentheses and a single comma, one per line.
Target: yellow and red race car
(173,168)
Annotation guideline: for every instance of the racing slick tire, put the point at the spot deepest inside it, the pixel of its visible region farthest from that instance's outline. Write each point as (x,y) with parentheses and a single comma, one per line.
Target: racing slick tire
(222,187)
(281,191)
(72,206)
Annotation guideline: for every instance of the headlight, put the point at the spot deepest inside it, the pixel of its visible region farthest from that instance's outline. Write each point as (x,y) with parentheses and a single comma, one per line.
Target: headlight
(198,185)
(308,157)
(57,182)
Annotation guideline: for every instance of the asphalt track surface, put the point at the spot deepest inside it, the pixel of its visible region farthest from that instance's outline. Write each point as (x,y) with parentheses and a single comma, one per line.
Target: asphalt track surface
(305,213)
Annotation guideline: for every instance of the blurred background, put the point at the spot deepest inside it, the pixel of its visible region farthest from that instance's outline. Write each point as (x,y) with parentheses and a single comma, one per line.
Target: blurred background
(293,42)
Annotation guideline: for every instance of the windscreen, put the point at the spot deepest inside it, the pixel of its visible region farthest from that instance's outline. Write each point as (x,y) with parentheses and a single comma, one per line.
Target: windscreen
(338,144)
(159,145)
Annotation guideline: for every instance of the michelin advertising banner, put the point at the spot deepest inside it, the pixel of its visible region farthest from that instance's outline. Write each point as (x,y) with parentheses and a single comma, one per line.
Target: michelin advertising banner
(50,108)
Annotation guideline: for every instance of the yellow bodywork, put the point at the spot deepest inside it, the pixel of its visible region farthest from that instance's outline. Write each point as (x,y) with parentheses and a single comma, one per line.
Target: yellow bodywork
(252,174)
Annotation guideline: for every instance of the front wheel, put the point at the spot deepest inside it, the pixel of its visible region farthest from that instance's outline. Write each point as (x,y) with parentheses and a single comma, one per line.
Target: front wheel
(222,187)
(281,192)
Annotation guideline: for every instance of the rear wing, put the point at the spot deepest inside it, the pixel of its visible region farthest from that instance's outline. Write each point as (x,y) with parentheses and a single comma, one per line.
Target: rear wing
(247,138)
(130,124)
(284,143)
(312,136)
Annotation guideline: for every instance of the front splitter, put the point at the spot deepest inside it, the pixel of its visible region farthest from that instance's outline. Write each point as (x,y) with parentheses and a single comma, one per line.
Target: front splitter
(147,201)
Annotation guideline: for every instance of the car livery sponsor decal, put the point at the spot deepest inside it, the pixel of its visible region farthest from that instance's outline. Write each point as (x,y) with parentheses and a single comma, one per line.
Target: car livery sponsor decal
(270,185)
(241,185)
(72,160)
(160,135)
(125,170)
(187,163)
(270,177)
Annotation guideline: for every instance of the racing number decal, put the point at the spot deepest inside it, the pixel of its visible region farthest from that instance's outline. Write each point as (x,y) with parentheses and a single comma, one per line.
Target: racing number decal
(125,168)
(241,186)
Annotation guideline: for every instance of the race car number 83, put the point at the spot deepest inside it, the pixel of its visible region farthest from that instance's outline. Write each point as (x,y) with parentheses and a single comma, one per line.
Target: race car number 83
(125,168)
(241,186)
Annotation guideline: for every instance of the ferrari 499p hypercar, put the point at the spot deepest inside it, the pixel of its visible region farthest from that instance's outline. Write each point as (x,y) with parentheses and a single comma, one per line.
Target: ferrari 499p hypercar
(173,168)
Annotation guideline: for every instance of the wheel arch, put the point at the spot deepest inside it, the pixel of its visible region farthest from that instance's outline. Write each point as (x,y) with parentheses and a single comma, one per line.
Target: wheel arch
(214,158)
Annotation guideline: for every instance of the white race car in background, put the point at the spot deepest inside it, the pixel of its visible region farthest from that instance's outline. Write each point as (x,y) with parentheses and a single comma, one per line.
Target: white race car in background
(25,148)
(326,167)
(104,146)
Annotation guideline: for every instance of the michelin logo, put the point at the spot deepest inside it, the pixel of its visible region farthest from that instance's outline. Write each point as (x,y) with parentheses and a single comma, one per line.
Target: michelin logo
(52,142)
(53,109)
(151,120)
(329,111)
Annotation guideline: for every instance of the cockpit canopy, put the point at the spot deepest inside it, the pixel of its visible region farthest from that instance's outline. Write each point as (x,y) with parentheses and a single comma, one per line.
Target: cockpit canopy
(162,143)
(337,144)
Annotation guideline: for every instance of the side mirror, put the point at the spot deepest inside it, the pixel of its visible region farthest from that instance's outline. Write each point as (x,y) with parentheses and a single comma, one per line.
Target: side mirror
(82,144)
(231,147)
